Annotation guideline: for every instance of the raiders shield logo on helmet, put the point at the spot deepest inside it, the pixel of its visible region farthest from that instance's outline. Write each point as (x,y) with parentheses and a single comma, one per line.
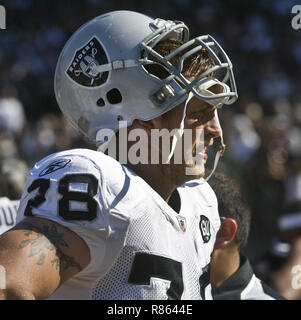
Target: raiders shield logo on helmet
(205,228)
(82,68)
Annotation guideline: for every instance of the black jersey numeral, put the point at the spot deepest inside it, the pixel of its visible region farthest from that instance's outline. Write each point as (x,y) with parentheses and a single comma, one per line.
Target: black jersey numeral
(146,266)
(84,197)
(204,280)
(64,188)
(42,185)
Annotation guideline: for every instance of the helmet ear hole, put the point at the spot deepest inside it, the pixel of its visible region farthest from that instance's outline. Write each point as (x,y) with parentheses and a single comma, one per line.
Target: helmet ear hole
(100,102)
(114,96)
(157,70)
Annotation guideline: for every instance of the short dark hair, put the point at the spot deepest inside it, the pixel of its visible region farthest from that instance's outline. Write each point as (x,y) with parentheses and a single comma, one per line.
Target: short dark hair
(232,204)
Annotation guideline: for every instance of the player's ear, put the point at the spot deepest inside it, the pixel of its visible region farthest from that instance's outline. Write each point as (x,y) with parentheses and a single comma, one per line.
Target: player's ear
(226,233)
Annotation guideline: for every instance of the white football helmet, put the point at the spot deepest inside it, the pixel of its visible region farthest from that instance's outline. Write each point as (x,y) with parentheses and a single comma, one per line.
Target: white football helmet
(101,77)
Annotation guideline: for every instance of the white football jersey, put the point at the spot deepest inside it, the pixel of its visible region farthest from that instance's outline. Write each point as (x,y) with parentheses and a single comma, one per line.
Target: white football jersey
(140,248)
(199,205)
(8,213)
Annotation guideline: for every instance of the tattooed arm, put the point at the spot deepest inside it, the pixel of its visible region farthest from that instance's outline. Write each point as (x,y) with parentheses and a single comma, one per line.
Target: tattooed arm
(38,256)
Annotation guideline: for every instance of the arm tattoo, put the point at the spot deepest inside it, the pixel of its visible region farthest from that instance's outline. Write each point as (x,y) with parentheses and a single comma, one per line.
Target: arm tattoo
(48,238)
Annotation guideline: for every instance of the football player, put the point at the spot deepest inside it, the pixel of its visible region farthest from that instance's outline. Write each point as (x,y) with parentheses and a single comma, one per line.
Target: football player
(94,227)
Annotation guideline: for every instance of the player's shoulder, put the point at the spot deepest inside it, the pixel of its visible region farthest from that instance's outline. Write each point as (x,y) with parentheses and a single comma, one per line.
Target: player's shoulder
(83,165)
(76,184)
(76,161)
(204,201)
(200,187)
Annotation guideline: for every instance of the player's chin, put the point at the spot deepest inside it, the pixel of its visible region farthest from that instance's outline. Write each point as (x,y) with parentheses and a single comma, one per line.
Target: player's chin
(194,171)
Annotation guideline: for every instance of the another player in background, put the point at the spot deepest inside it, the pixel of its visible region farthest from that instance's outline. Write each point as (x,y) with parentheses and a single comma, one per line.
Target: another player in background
(12,181)
(231,275)
(91,227)
(8,213)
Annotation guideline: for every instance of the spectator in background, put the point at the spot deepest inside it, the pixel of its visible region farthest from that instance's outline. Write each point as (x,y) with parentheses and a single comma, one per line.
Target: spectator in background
(12,181)
(12,169)
(12,116)
(13,178)
(280,265)
(286,279)
(231,276)
(12,121)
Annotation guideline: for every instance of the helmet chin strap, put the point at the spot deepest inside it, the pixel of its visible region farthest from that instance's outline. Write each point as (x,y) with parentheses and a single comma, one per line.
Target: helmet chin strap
(221,149)
(179,132)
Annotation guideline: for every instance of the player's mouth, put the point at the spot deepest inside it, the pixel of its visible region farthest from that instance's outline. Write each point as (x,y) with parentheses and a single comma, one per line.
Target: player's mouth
(202,153)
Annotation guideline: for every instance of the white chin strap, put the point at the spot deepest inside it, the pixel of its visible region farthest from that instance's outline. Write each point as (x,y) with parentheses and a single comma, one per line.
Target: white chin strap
(179,132)
(221,149)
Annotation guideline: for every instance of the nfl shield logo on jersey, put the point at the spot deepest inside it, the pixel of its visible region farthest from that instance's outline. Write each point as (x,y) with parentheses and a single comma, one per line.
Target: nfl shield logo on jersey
(182,223)
(205,228)
(83,66)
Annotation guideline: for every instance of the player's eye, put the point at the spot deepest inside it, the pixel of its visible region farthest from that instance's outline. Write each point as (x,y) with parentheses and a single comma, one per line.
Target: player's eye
(202,116)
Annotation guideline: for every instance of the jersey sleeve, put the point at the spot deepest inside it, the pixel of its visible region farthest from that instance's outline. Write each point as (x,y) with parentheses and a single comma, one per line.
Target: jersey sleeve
(71,190)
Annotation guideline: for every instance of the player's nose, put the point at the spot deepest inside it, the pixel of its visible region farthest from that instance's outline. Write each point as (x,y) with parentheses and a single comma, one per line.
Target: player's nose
(212,127)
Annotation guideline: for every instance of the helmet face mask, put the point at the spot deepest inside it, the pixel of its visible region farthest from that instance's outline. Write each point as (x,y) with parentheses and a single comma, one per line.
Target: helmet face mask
(106,60)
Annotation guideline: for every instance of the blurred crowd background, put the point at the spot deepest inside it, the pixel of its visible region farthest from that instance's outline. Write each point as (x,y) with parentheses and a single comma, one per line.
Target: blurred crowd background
(262,130)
